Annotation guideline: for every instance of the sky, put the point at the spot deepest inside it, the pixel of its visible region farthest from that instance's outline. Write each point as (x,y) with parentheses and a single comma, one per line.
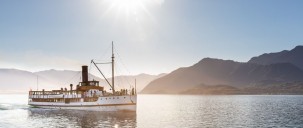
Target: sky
(150,36)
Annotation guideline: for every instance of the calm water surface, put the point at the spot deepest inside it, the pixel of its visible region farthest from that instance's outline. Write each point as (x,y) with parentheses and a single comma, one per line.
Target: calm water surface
(169,111)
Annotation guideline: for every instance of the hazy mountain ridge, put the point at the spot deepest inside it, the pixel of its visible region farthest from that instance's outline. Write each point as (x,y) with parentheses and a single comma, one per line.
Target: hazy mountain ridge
(216,76)
(293,56)
(64,77)
(274,73)
(14,80)
(141,79)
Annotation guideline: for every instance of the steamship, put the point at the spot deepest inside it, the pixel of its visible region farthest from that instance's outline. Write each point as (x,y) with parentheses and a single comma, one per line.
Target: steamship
(88,95)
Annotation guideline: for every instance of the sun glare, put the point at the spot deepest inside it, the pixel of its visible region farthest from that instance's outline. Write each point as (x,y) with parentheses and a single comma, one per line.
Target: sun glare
(134,17)
(131,9)
(127,5)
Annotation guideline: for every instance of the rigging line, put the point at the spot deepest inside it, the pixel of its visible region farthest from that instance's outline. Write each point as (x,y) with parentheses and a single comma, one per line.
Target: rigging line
(106,51)
(72,77)
(120,80)
(124,78)
(120,58)
(101,73)
(90,67)
(116,72)
(105,63)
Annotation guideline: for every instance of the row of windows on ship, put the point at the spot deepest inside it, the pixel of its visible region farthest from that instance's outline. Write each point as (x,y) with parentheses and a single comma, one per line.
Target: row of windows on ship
(113,98)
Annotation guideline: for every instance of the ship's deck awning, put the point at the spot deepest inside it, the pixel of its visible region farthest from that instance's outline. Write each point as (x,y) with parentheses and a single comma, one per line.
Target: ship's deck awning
(85,88)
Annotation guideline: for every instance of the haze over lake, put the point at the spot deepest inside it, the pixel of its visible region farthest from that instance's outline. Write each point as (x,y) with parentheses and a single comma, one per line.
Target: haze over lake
(155,111)
(193,63)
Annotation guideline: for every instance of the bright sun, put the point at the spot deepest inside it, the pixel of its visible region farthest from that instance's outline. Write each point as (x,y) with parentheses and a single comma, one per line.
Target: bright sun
(131,9)
(127,5)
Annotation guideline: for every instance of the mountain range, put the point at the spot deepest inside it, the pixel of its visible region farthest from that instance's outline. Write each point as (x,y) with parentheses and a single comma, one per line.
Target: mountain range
(293,56)
(19,81)
(273,73)
(269,73)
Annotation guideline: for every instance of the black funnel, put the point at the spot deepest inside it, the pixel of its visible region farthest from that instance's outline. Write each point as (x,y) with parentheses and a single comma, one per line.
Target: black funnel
(84,74)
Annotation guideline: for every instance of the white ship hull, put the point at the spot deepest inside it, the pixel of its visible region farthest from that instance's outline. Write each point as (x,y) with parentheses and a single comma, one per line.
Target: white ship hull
(106,103)
(94,108)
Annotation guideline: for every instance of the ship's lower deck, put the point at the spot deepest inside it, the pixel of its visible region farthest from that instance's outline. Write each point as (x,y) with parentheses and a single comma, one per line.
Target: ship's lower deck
(125,107)
(108,103)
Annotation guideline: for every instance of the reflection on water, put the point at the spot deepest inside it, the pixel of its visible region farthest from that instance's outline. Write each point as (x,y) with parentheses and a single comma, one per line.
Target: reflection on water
(156,111)
(70,118)
(220,111)
(14,112)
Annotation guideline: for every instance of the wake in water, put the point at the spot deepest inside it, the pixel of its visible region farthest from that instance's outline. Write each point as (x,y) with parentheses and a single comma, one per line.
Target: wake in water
(13,101)
(18,115)
(8,106)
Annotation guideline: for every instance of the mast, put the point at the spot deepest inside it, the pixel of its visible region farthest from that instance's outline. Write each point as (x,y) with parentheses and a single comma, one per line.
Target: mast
(113,68)
(112,85)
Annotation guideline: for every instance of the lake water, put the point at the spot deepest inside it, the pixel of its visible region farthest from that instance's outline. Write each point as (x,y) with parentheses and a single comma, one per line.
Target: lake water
(167,111)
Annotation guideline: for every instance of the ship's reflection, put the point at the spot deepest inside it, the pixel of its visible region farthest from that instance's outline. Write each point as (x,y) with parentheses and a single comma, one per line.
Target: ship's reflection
(75,118)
